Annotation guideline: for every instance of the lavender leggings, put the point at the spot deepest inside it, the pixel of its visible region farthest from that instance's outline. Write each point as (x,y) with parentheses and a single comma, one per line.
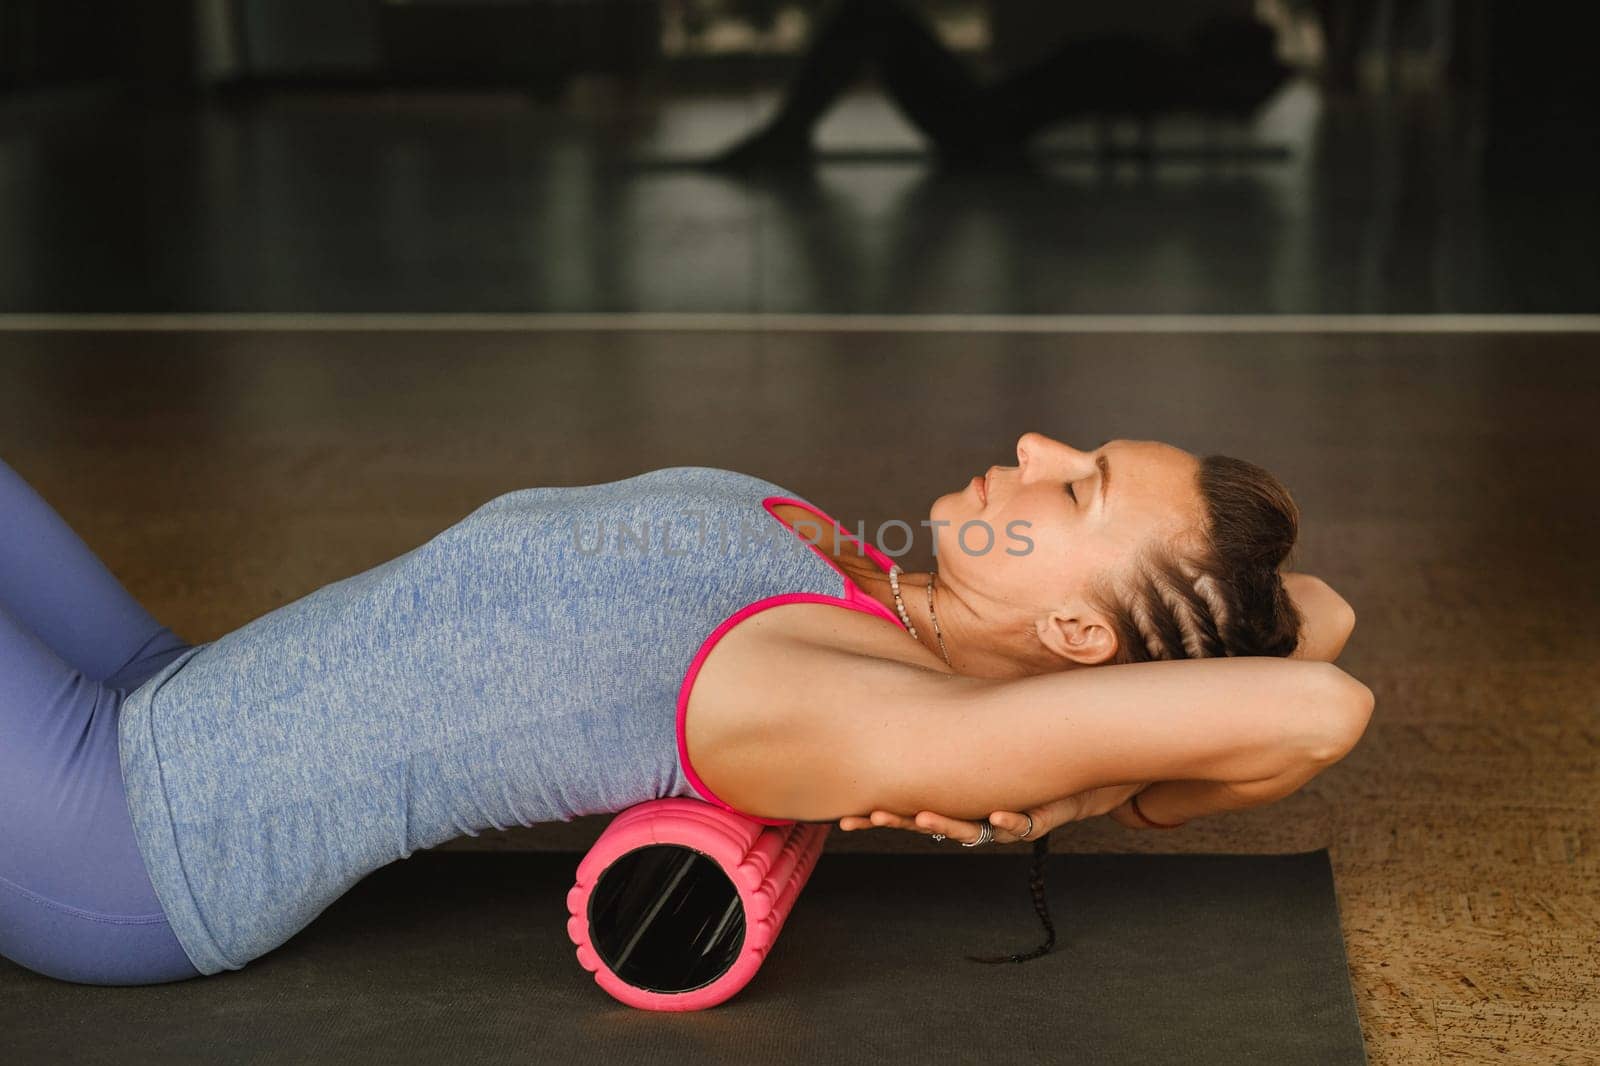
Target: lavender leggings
(75,901)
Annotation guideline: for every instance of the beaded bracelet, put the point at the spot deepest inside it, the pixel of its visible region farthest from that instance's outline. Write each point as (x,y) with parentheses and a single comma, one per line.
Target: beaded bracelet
(1147,820)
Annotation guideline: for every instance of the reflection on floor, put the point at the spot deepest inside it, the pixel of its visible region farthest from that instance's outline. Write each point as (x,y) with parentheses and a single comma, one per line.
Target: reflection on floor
(416,202)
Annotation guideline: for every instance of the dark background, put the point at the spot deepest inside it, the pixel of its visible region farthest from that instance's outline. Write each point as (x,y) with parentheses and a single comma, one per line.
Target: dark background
(348,155)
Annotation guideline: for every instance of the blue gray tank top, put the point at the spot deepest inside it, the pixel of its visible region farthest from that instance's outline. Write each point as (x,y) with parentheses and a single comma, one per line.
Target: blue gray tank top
(526,665)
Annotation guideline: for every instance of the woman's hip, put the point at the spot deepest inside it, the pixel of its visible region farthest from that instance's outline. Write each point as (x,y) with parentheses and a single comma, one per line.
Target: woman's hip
(76,902)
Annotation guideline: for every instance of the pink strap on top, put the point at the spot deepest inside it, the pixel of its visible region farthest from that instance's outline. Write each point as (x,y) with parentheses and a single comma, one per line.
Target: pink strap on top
(852,591)
(854,599)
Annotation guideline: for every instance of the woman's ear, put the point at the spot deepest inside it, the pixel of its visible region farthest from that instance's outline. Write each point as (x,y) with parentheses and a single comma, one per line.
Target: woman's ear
(1080,637)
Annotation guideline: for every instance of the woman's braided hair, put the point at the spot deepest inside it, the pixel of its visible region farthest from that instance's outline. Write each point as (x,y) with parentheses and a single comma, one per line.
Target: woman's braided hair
(1213,593)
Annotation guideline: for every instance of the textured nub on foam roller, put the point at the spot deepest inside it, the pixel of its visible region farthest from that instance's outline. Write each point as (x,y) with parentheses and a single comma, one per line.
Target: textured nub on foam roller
(678,902)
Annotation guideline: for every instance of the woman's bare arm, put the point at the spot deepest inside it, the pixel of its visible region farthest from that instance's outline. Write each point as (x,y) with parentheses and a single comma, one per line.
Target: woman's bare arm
(1328,622)
(878,735)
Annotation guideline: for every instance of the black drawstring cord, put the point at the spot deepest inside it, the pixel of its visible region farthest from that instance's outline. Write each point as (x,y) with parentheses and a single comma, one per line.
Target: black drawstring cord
(1041,848)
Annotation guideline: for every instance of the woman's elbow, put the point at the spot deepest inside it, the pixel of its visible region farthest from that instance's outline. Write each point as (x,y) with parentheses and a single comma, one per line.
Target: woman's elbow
(1339,622)
(1347,706)
(1346,624)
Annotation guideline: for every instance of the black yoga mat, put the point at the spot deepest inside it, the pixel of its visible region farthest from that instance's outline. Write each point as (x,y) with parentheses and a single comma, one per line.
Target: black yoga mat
(461,957)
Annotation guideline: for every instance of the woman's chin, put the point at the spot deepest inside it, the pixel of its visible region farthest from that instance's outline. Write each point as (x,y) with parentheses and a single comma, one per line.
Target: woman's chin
(961,504)
(946,508)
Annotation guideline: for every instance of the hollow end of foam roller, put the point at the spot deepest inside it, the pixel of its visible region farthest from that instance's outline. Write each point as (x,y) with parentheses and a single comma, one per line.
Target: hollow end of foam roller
(678,903)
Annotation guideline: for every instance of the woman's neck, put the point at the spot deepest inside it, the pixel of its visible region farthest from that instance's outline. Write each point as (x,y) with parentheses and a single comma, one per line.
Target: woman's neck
(969,641)
(871,579)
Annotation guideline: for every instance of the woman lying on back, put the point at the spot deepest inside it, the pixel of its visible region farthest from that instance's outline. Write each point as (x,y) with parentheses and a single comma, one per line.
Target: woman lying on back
(169,810)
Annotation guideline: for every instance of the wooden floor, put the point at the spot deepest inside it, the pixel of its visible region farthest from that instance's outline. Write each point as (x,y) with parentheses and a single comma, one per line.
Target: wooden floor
(1448,483)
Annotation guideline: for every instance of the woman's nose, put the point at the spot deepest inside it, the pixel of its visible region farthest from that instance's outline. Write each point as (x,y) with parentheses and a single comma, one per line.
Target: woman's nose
(1042,458)
(1036,447)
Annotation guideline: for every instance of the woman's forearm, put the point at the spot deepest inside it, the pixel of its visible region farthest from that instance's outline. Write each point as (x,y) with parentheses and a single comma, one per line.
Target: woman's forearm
(1327,619)
(1178,801)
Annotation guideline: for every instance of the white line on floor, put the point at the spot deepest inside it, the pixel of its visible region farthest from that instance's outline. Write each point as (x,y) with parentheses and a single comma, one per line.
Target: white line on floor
(790,323)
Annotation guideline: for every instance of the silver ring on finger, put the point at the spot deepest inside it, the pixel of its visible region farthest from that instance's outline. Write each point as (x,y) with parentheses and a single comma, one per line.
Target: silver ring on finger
(1024,836)
(985,834)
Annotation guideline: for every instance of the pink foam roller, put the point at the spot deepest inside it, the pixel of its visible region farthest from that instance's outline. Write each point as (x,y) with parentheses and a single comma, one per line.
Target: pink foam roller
(678,902)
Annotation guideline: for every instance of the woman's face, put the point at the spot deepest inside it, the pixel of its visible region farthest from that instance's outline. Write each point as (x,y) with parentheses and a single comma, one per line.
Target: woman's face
(1056,521)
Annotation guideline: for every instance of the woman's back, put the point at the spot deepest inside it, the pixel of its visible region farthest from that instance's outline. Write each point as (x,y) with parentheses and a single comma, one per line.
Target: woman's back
(527,664)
